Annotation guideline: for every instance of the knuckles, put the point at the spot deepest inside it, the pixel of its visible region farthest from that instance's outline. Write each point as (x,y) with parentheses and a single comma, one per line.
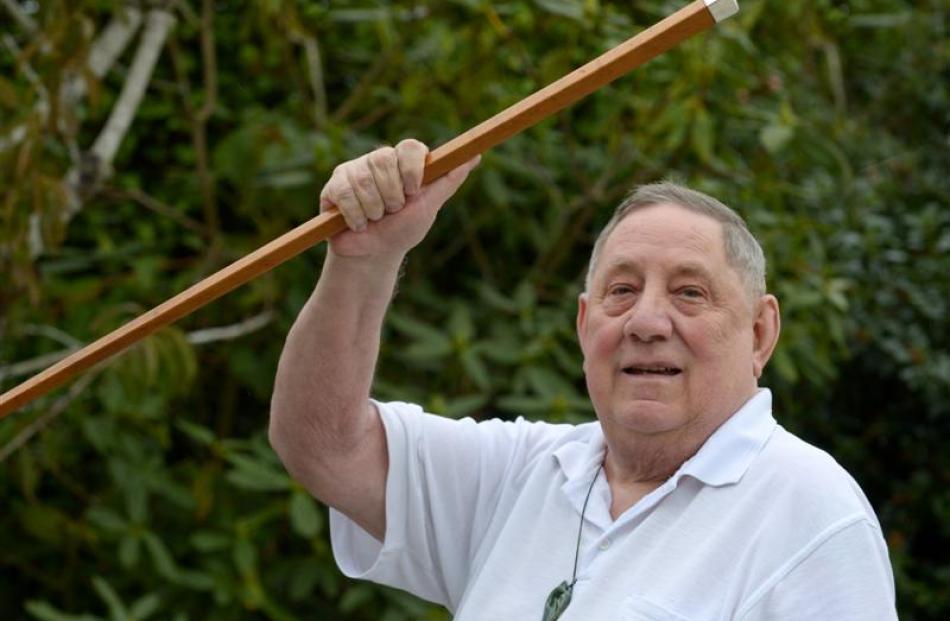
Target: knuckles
(411,144)
(358,177)
(364,180)
(383,158)
(343,193)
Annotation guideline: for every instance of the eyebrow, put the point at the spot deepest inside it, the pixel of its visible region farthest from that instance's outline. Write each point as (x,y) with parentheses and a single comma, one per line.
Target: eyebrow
(689,268)
(694,269)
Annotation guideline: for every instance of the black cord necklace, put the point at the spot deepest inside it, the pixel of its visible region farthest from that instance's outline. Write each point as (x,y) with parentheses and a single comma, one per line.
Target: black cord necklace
(560,597)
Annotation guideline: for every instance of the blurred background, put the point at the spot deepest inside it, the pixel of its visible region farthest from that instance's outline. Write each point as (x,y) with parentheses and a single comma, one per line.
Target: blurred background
(144,145)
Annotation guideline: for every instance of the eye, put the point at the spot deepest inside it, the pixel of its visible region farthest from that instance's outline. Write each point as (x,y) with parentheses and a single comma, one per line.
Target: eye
(692,293)
(619,290)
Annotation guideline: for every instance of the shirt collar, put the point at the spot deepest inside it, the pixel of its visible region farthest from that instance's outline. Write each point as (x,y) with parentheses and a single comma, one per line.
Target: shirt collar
(727,453)
(721,460)
(580,460)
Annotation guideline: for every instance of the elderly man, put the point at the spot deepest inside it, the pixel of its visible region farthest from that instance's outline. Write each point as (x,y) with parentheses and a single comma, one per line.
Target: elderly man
(684,501)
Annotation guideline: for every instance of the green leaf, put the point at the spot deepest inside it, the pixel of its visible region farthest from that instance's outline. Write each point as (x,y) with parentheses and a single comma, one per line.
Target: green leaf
(245,556)
(46,612)
(117,610)
(476,369)
(161,558)
(253,475)
(782,362)
(428,350)
(525,406)
(416,329)
(494,298)
(43,522)
(775,137)
(144,607)
(107,519)
(129,547)
(573,9)
(305,517)
(465,406)
(286,179)
(194,580)
(460,324)
(355,597)
(703,135)
(136,497)
(209,541)
(360,15)
(546,382)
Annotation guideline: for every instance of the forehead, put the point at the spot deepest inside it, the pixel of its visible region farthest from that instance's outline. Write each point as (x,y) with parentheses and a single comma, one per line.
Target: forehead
(668,235)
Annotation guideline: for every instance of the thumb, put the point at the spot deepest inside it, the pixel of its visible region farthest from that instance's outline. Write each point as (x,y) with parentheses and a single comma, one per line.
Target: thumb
(445,186)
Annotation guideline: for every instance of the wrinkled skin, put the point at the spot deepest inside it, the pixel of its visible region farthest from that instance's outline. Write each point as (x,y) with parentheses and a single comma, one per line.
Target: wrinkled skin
(673,343)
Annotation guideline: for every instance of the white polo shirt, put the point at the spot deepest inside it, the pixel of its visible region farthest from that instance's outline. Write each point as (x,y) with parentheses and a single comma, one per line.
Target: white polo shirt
(483,518)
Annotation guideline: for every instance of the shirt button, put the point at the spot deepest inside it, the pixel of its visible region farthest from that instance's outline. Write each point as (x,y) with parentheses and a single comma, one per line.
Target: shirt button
(604,544)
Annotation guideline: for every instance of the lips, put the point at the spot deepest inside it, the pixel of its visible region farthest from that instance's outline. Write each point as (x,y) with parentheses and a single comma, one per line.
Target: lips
(652,370)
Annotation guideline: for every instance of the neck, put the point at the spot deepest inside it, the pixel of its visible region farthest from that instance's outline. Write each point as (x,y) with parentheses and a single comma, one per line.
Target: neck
(632,479)
(637,465)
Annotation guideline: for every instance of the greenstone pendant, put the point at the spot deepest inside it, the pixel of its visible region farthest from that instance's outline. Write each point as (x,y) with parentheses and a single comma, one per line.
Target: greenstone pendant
(557,602)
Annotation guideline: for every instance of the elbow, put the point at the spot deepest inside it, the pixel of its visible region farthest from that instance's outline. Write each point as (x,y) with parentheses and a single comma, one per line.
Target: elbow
(285,442)
(276,435)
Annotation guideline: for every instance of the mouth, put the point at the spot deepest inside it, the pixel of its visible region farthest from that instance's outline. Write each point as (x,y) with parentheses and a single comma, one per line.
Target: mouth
(652,370)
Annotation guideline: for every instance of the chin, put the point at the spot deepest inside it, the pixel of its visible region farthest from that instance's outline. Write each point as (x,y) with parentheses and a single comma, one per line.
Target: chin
(647,417)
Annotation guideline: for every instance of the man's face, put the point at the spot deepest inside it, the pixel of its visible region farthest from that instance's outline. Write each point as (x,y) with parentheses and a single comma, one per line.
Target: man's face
(672,342)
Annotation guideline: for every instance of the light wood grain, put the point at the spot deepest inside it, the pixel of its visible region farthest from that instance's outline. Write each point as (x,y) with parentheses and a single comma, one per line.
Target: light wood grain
(581,82)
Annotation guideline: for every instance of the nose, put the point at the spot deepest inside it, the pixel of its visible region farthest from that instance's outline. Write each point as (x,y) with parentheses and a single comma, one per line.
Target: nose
(649,318)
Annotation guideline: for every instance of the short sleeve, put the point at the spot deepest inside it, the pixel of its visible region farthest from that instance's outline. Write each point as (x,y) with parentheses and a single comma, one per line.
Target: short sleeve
(442,491)
(845,576)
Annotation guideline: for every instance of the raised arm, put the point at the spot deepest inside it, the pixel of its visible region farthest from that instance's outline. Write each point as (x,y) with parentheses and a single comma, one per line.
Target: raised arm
(322,425)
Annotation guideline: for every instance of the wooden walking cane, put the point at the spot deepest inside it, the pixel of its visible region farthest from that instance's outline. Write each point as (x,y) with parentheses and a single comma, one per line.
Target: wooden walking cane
(698,16)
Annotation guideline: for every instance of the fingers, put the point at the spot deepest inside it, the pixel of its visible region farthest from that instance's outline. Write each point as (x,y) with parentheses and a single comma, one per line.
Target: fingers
(376,183)
(385,169)
(361,179)
(339,193)
(379,182)
(411,155)
(445,186)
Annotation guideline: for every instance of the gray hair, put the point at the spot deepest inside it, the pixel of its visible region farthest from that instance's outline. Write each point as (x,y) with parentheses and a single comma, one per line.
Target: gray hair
(743,251)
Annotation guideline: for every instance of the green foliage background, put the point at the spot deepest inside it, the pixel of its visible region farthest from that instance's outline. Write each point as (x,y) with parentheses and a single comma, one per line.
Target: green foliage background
(150,491)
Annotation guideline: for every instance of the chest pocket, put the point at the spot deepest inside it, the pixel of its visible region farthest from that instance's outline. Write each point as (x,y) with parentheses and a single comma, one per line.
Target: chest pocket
(636,608)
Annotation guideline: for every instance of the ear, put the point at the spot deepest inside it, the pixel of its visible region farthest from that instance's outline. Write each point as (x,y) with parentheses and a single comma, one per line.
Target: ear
(768,325)
(581,322)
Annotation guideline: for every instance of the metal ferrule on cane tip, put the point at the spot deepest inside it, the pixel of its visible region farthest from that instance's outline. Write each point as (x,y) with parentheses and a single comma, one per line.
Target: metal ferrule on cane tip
(722,9)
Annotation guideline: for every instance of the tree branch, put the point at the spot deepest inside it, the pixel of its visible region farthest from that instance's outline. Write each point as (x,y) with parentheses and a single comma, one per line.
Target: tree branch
(95,165)
(43,421)
(105,50)
(314,75)
(367,82)
(158,23)
(42,106)
(50,332)
(200,120)
(209,61)
(26,22)
(25,367)
(153,204)
(103,53)
(198,337)
(231,332)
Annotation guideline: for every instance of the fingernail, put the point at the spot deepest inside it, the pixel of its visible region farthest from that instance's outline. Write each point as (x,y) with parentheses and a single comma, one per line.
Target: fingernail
(360,226)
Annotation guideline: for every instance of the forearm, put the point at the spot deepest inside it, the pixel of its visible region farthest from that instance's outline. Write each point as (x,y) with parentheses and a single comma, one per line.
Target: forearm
(326,368)
(322,425)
